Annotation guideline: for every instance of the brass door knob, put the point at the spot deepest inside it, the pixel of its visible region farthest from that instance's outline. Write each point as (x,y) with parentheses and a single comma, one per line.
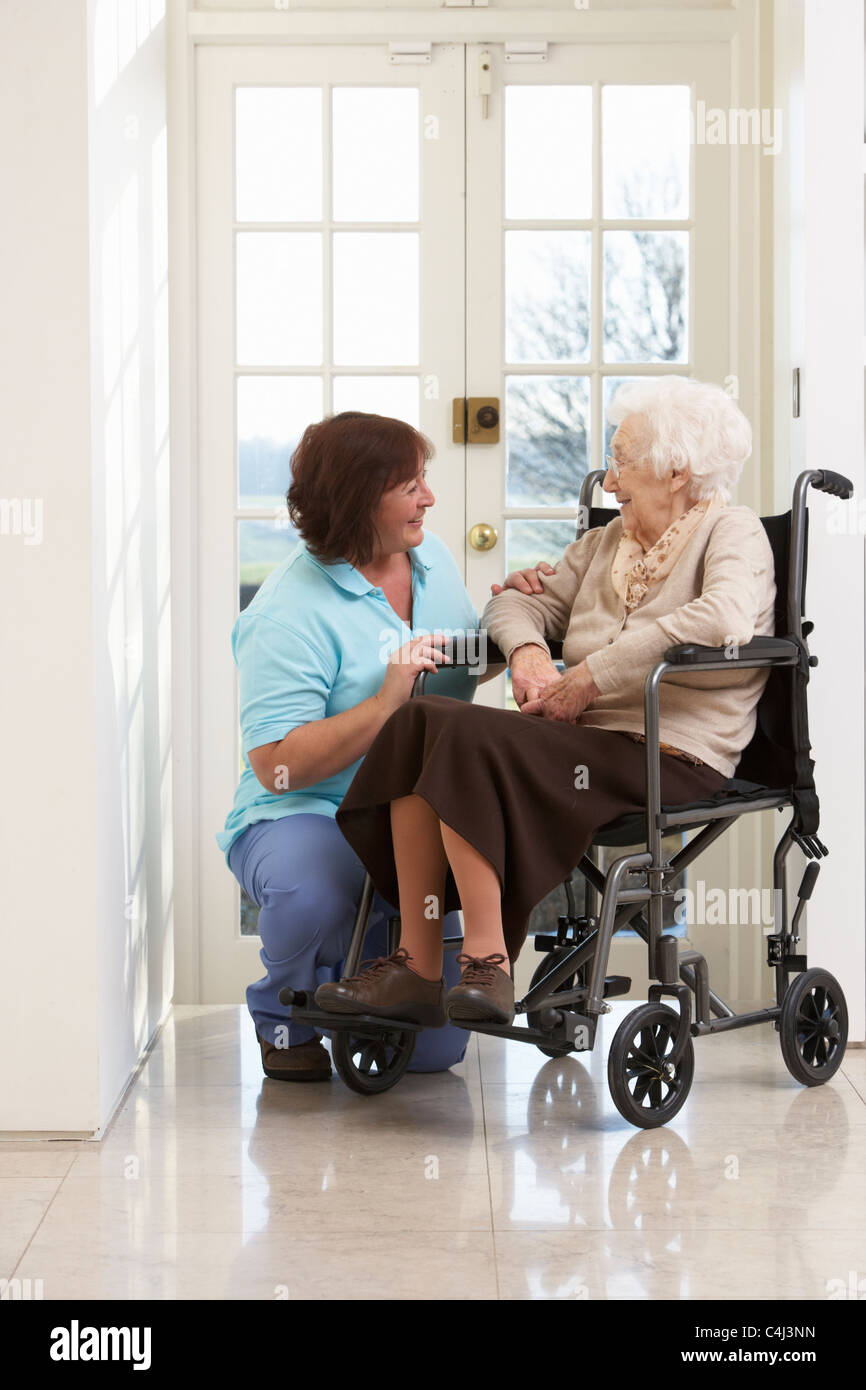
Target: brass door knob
(483,536)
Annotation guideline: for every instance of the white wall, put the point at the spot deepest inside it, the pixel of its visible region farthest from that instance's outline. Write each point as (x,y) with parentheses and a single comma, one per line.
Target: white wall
(86,942)
(819,327)
(832,422)
(48,998)
(131,541)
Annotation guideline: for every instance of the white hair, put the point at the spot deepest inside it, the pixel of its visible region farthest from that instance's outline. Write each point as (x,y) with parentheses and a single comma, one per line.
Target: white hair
(687,423)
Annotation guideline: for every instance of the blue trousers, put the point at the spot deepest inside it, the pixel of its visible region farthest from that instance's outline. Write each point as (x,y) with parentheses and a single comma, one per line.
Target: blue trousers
(306,882)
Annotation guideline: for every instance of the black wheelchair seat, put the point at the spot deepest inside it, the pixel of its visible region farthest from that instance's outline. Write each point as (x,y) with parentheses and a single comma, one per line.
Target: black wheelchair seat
(737,794)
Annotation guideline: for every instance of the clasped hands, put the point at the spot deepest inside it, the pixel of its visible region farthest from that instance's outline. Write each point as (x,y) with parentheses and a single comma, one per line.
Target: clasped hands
(540,689)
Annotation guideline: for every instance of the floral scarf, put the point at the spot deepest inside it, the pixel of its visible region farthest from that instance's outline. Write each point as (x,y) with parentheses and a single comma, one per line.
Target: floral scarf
(634,570)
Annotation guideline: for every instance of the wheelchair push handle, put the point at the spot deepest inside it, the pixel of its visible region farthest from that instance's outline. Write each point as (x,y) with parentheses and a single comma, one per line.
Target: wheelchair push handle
(834,483)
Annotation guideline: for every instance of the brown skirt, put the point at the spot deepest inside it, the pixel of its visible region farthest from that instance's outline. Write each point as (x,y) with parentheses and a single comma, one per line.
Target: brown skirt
(527,793)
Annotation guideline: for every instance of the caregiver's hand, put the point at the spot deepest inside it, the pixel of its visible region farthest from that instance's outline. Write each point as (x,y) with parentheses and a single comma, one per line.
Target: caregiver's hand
(568,698)
(419,654)
(525,581)
(532,671)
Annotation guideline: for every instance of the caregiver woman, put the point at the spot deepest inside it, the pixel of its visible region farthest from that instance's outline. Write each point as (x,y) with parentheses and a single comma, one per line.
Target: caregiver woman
(316,686)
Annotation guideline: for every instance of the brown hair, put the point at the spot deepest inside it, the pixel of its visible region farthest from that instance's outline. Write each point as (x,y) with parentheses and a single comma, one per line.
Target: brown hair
(340,470)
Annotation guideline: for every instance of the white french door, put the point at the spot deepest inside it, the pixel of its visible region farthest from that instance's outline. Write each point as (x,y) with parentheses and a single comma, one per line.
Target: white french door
(330,277)
(375,234)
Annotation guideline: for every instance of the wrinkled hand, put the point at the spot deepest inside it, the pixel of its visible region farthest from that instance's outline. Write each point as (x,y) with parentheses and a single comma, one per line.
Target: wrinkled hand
(567,699)
(532,672)
(524,581)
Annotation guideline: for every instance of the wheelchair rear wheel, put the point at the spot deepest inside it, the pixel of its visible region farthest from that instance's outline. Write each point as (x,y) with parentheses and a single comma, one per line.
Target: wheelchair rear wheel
(372,1064)
(647,1089)
(813,1027)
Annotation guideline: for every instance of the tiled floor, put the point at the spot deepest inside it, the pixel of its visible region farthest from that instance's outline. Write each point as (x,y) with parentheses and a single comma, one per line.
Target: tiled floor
(511,1176)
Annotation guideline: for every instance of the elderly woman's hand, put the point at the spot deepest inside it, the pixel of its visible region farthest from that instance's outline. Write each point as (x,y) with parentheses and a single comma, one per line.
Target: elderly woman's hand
(567,699)
(532,672)
(524,581)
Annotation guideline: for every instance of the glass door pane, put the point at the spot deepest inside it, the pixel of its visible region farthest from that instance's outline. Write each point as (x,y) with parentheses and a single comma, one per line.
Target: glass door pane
(587,243)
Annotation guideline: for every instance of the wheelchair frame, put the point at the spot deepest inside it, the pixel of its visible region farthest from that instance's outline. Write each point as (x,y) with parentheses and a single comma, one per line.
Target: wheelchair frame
(651,1056)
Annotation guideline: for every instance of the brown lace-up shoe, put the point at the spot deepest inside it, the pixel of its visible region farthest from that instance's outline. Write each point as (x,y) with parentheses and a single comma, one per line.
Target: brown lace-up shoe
(485,992)
(387,988)
(307,1061)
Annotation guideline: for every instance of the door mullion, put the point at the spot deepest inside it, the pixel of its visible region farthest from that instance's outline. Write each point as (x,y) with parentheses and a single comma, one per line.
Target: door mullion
(596,340)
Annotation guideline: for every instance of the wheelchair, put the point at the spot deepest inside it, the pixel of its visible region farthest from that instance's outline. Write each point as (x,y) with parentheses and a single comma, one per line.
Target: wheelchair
(651,1059)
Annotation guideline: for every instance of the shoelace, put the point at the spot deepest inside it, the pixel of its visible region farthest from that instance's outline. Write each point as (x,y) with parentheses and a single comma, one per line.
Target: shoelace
(478,970)
(378,963)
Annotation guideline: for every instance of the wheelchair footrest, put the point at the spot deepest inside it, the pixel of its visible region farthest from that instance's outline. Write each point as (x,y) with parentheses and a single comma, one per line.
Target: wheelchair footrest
(616,984)
(353,1023)
(505,1030)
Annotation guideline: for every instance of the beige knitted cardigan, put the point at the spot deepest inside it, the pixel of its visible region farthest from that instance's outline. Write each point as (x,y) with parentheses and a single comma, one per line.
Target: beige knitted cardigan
(720,591)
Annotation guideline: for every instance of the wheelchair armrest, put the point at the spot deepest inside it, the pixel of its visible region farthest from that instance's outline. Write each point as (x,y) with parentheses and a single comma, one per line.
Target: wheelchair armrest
(476,647)
(473,648)
(761,651)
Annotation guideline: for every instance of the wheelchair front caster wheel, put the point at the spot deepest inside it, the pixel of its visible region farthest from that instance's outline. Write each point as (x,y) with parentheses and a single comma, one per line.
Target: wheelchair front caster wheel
(813,1027)
(647,1088)
(370,1065)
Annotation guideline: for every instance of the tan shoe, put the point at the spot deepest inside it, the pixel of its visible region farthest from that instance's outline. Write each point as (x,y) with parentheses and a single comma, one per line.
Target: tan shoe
(307,1061)
(387,988)
(485,993)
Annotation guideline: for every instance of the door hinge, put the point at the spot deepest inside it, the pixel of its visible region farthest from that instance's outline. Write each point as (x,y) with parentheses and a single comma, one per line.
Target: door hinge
(796,394)
(409,52)
(524,51)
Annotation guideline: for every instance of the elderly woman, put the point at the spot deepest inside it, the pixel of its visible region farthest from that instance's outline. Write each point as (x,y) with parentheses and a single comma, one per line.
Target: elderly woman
(493,807)
(327,651)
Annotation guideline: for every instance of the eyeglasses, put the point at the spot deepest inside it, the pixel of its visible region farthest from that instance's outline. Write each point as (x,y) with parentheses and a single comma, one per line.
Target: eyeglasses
(611,463)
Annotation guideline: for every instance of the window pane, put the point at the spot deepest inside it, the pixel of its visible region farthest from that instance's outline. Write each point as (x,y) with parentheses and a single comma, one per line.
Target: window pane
(397,396)
(646,296)
(646,147)
(547,296)
(278,154)
(547,439)
(249,916)
(376,298)
(548,152)
(376,154)
(610,384)
(262,545)
(273,412)
(528,541)
(279,298)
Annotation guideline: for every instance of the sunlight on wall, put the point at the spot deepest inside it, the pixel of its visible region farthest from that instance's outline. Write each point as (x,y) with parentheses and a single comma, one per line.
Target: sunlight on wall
(120,29)
(132,576)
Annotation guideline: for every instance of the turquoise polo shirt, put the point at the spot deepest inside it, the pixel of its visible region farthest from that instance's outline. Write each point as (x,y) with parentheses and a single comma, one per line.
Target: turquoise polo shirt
(314,642)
